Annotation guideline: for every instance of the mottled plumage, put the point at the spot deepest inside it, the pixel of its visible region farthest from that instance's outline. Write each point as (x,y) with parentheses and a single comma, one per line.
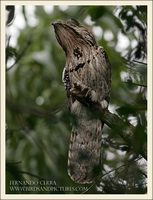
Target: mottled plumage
(87,66)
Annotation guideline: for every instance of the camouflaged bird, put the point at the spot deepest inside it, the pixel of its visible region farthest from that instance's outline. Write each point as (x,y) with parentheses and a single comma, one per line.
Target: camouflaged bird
(87,69)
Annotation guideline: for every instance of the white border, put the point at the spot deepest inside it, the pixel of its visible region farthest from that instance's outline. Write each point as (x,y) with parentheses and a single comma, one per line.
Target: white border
(149,78)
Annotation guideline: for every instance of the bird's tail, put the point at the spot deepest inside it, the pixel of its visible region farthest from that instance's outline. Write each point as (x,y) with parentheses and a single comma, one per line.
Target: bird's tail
(85,149)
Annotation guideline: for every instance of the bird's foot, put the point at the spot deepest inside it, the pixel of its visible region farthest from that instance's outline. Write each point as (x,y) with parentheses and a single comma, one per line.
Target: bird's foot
(84,93)
(104,104)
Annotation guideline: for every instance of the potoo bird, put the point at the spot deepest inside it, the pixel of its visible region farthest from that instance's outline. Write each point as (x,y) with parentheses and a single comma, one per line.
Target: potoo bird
(87,70)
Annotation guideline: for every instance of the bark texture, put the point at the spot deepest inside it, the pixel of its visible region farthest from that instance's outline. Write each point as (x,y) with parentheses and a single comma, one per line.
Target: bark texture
(87,72)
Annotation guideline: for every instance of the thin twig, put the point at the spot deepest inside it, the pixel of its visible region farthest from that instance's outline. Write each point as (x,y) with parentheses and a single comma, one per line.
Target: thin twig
(137,84)
(101,176)
(30,174)
(15,162)
(139,62)
(132,61)
(20,56)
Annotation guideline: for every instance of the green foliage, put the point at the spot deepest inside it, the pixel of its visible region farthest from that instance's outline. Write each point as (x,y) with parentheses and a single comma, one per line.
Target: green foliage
(38,120)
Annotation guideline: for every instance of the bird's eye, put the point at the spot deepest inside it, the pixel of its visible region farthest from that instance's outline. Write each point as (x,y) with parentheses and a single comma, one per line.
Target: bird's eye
(73,22)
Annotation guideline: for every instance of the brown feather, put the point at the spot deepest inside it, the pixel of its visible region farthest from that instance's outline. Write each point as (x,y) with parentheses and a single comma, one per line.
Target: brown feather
(88,65)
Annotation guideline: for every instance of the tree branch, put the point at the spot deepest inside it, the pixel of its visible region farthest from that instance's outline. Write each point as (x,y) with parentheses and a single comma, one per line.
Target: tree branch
(124,129)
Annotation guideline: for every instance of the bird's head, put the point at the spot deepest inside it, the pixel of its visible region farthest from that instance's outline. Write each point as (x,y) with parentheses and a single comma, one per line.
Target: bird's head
(70,34)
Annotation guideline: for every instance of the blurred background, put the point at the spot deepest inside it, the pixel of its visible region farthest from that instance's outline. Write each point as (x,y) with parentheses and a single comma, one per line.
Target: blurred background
(38,122)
